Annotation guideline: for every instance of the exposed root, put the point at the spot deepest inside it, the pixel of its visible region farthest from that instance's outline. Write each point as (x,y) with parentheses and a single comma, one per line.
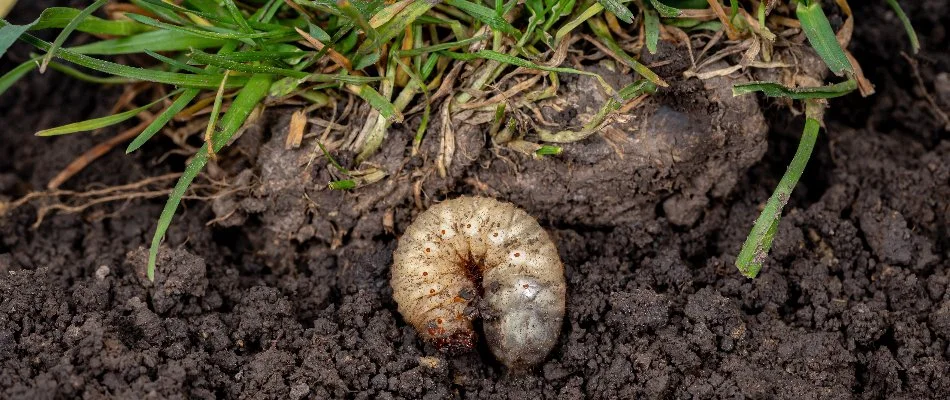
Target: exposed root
(934,108)
(73,202)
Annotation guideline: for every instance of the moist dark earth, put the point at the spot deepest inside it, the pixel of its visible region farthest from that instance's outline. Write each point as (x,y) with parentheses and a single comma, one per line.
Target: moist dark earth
(287,295)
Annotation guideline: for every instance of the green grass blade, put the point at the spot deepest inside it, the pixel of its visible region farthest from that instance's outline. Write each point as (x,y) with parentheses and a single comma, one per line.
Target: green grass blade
(237,16)
(665,10)
(68,30)
(10,33)
(364,61)
(268,11)
(378,102)
(263,56)
(591,11)
(355,16)
(549,150)
(651,24)
(773,89)
(174,64)
(160,12)
(757,245)
(212,14)
(345,184)
(485,15)
(82,76)
(228,63)
(207,6)
(216,108)
(692,25)
(9,78)
(171,78)
(223,34)
(96,123)
(60,17)
(201,57)
(603,33)
(822,37)
(179,104)
(242,106)
(911,33)
(149,41)
(618,9)
(398,23)
(440,47)
(560,9)
(174,199)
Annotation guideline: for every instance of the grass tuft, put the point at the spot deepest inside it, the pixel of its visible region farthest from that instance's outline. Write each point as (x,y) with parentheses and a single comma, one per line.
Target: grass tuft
(401,59)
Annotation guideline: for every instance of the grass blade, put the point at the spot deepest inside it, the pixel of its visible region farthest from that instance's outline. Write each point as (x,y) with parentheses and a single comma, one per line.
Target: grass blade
(440,47)
(651,24)
(486,16)
(591,11)
(96,123)
(176,107)
(171,78)
(216,111)
(60,17)
(82,76)
(822,37)
(665,10)
(378,102)
(265,55)
(179,104)
(68,30)
(149,41)
(911,33)
(757,245)
(398,23)
(228,62)
(9,78)
(10,33)
(223,34)
(160,12)
(618,9)
(237,16)
(603,33)
(242,106)
(201,57)
(549,150)
(773,89)
(174,64)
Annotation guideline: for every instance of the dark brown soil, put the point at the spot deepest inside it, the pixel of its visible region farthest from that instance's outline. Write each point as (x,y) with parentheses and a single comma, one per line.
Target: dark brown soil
(288,296)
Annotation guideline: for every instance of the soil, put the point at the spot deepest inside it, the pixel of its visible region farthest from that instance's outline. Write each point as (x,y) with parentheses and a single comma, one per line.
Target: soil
(287,295)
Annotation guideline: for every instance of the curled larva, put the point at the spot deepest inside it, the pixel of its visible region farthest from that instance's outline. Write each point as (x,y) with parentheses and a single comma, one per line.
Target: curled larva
(477,257)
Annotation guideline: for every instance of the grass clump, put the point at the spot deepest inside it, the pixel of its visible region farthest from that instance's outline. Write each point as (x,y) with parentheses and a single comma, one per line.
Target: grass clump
(404,58)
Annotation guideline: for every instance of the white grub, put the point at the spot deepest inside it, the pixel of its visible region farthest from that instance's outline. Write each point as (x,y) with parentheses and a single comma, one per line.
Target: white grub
(476,257)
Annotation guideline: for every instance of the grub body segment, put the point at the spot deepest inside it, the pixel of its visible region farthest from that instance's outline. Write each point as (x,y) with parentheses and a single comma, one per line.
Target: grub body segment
(477,257)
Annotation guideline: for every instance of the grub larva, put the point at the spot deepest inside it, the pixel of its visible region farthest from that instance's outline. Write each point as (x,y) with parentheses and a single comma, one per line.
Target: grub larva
(477,257)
